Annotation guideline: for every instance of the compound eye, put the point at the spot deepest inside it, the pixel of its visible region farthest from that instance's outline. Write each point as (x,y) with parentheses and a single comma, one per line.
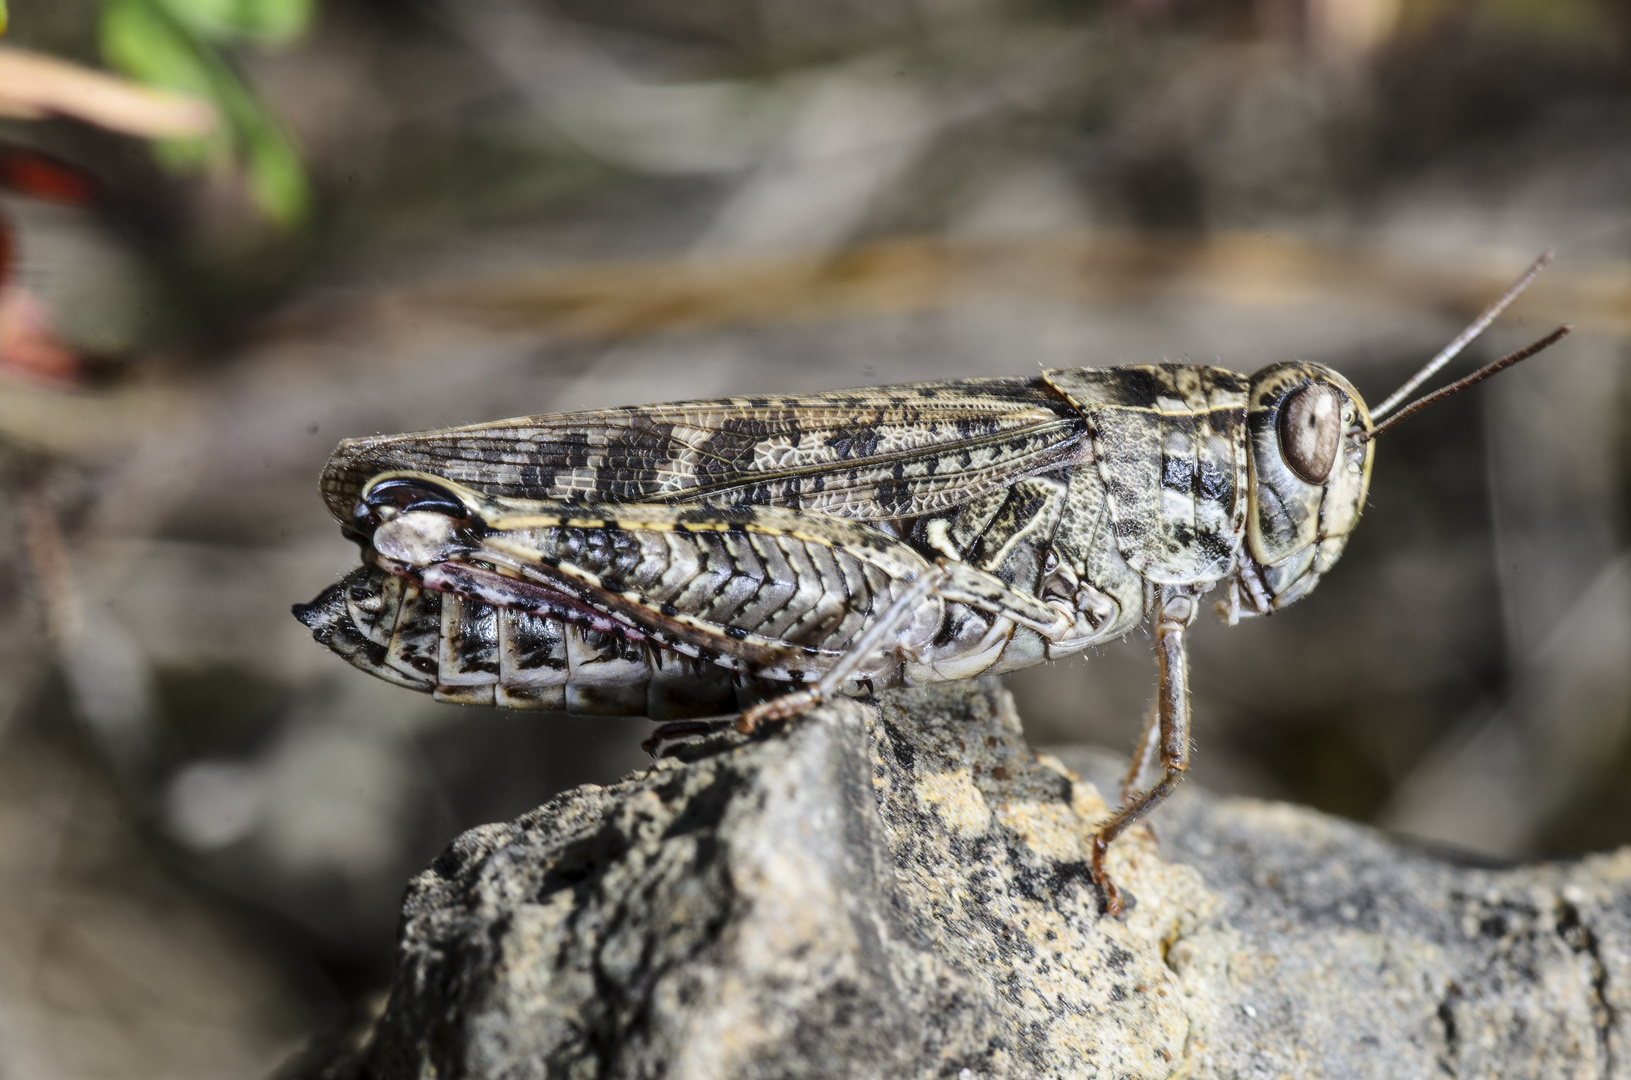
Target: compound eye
(1311,431)
(401,494)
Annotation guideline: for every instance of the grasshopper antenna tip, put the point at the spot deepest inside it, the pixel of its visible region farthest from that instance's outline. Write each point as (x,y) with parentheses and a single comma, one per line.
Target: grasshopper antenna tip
(1461,384)
(1465,338)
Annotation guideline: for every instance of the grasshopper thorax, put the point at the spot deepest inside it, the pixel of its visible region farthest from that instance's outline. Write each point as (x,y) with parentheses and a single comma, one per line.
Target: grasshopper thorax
(1309,470)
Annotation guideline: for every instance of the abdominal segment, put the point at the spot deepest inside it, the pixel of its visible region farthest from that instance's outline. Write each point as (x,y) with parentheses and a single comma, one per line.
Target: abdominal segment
(470,652)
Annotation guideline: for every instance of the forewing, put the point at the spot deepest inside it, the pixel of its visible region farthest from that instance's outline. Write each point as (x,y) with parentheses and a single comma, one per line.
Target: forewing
(868,455)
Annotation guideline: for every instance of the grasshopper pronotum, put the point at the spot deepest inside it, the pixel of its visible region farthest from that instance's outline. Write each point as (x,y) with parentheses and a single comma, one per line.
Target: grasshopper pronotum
(765,553)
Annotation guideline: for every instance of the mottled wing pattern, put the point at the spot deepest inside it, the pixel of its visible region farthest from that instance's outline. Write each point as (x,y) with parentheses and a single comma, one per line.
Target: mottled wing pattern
(1169,443)
(867,455)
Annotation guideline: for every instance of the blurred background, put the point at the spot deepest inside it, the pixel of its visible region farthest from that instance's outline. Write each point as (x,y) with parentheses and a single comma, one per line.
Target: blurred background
(235,231)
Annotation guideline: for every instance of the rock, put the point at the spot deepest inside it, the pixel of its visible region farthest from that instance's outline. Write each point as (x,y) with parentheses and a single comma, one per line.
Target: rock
(1337,952)
(900,890)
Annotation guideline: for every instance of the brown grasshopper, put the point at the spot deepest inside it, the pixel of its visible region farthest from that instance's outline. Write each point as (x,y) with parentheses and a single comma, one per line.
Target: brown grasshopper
(762,554)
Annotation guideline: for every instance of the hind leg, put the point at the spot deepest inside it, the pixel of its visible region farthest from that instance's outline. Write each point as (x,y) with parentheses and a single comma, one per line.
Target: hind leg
(954,581)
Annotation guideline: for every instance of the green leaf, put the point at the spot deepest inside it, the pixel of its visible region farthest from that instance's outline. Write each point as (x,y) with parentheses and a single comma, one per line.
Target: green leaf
(3,17)
(138,40)
(143,39)
(277,178)
(266,22)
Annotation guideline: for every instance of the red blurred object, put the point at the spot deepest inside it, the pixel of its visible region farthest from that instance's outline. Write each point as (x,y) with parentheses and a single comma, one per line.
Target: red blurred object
(40,176)
(29,345)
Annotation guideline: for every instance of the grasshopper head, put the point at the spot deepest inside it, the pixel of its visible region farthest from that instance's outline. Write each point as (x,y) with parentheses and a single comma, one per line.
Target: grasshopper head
(1310,469)
(1311,437)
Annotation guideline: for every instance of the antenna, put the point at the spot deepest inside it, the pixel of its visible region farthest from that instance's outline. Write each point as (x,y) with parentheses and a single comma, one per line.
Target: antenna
(1461,384)
(1463,339)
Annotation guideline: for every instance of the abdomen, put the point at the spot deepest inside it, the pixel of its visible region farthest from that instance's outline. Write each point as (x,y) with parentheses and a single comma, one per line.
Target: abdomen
(465,651)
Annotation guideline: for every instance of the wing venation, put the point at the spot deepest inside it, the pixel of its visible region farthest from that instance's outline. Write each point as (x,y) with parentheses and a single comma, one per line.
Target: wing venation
(876,454)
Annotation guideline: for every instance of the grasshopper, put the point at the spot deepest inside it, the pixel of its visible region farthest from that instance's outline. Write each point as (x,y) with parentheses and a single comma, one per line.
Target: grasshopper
(761,554)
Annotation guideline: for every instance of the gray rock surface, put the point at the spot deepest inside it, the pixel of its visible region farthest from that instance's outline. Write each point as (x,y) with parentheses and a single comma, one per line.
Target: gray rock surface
(901,891)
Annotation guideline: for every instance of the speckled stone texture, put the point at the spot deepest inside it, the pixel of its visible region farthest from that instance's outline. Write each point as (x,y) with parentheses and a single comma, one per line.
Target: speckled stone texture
(901,891)
(1337,952)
